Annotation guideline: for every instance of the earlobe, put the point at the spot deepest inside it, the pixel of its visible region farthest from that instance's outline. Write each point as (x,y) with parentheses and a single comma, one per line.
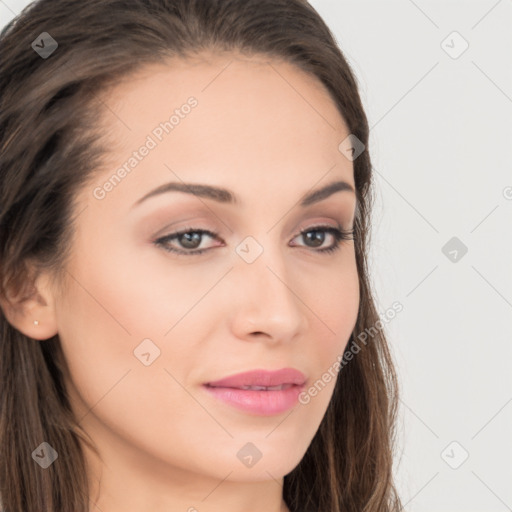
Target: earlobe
(32,314)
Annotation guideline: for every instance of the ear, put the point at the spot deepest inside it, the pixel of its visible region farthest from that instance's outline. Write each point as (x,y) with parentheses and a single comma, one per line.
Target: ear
(35,302)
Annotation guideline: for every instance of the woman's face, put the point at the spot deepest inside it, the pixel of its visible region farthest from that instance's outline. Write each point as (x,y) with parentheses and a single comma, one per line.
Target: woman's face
(143,328)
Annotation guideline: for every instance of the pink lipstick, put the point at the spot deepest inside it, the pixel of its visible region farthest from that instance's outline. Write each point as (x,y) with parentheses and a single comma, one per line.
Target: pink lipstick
(260,392)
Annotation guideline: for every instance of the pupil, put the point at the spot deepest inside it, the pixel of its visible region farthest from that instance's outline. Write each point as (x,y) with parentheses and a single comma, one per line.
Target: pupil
(187,237)
(317,236)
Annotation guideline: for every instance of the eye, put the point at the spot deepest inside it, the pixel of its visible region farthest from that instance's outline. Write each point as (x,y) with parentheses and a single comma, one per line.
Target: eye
(318,237)
(190,239)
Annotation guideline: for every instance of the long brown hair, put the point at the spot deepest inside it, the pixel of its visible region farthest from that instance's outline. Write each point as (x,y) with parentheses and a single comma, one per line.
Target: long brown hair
(50,146)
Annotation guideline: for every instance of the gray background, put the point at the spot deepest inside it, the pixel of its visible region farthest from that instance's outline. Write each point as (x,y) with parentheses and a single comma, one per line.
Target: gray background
(441,143)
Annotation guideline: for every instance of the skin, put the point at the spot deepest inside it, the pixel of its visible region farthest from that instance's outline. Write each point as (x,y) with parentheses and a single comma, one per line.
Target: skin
(269,133)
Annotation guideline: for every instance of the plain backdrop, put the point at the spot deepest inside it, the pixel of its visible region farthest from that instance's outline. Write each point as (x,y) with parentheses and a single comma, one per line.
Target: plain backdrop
(436,81)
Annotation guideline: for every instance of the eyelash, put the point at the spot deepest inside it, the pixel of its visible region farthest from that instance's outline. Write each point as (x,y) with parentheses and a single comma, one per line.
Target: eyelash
(338,234)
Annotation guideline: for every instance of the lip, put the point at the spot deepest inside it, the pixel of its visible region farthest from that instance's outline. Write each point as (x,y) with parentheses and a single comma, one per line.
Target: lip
(260,402)
(260,377)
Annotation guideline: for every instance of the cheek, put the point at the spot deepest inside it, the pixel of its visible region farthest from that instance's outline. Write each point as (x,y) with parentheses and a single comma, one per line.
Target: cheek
(335,305)
(334,313)
(95,339)
(99,330)
(121,312)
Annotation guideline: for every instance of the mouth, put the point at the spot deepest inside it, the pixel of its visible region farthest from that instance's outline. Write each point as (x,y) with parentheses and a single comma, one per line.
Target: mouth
(260,392)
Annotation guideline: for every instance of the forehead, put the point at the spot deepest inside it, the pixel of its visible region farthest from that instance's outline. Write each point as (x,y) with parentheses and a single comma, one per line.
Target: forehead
(254,119)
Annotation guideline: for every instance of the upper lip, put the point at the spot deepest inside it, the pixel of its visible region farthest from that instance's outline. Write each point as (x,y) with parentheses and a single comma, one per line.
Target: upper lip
(261,378)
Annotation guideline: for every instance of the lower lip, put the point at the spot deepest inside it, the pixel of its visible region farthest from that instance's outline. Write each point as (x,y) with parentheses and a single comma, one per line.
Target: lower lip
(264,403)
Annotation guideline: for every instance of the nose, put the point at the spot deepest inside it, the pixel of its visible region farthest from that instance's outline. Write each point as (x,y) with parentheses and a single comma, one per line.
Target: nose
(266,300)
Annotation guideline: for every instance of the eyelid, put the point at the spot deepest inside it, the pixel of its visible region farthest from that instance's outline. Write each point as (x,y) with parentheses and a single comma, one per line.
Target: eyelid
(202,224)
(215,233)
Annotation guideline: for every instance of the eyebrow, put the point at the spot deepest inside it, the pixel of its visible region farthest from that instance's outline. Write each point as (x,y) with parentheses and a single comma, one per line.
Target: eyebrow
(222,195)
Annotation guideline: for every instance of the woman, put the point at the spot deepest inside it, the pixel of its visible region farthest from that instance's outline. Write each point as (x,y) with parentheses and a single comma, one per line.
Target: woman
(185,204)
